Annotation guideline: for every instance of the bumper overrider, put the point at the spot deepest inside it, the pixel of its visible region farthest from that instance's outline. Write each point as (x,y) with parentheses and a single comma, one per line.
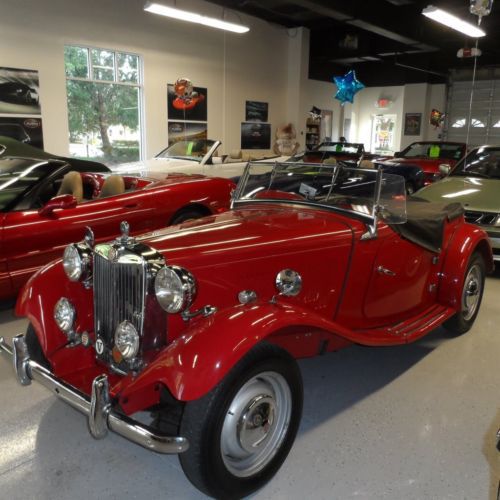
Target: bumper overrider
(98,409)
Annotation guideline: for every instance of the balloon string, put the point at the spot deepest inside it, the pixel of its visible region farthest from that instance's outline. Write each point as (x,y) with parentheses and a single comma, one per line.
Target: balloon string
(471,95)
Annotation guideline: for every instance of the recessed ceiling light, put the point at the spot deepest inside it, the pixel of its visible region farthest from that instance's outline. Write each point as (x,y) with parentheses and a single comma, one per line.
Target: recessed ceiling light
(193,17)
(443,17)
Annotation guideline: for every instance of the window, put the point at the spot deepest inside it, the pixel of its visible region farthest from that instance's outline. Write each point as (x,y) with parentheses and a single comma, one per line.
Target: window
(104,92)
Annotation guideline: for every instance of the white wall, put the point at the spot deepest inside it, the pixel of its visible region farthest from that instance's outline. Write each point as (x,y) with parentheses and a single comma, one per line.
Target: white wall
(234,68)
(267,64)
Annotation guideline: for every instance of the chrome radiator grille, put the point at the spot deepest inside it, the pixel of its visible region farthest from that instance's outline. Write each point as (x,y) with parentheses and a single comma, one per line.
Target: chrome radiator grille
(119,292)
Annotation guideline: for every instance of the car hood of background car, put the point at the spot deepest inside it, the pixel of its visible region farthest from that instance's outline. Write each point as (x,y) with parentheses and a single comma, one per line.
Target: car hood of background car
(426,164)
(474,193)
(246,234)
(154,165)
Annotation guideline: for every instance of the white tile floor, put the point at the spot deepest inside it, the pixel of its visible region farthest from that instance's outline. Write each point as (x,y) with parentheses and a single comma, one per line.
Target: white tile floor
(410,422)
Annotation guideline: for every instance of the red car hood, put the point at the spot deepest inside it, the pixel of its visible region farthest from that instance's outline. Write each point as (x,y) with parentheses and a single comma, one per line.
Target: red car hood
(249,233)
(245,249)
(428,165)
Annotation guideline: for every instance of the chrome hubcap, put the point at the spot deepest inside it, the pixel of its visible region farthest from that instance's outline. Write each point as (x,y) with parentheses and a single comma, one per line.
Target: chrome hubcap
(471,292)
(256,424)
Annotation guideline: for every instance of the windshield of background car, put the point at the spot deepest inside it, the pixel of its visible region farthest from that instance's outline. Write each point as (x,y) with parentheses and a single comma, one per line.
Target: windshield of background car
(351,189)
(440,151)
(341,147)
(482,162)
(187,150)
(18,176)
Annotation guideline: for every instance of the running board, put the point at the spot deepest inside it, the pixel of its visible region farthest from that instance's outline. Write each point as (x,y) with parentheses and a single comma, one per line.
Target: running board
(410,329)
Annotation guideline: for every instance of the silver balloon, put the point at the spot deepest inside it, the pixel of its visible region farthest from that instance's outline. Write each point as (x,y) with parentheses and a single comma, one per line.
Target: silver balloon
(480,8)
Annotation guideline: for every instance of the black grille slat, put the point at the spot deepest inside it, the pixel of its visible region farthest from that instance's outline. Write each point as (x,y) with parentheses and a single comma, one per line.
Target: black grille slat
(482,218)
(119,294)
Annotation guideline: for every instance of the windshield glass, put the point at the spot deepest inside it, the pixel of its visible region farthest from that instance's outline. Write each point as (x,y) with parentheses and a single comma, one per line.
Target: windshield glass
(18,176)
(188,150)
(445,151)
(482,162)
(352,189)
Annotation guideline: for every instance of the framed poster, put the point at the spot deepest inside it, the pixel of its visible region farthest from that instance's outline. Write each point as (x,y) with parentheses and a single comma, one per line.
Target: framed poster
(413,122)
(192,108)
(19,92)
(23,129)
(255,135)
(256,111)
(186,131)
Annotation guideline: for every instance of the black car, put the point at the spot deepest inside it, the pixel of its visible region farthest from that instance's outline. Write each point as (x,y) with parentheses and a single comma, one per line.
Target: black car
(15,131)
(18,92)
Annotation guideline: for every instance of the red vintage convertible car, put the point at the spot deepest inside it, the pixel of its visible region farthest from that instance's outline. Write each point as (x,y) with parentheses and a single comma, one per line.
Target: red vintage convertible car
(431,157)
(46,204)
(201,323)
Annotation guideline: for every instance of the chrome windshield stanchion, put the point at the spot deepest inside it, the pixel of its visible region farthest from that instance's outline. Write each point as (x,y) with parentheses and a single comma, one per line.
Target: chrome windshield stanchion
(21,360)
(99,407)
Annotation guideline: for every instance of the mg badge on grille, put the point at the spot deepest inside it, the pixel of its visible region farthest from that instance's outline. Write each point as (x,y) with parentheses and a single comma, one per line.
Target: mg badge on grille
(99,346)
(113,254)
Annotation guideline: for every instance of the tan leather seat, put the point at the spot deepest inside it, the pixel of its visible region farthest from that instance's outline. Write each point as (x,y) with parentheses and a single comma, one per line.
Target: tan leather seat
(234,156)
(112,186)
(72,184)
(330,161)
(366,164)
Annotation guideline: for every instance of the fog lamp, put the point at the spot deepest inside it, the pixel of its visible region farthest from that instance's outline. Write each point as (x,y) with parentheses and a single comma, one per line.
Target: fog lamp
(64,315)
(127,339)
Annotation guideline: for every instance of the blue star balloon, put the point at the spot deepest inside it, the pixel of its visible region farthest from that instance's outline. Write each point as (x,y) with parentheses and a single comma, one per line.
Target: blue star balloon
(347,86)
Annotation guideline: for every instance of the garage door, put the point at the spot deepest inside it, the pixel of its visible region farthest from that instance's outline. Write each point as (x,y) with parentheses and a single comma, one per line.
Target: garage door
(485,117)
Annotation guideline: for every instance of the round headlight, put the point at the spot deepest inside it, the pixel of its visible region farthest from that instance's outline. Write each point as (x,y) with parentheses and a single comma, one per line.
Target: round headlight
(175,288)
(64,315)
(127,339)
(72,263)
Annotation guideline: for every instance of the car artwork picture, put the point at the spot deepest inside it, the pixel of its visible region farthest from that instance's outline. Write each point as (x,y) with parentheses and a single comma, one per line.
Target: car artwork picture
(202,323)
(55,201)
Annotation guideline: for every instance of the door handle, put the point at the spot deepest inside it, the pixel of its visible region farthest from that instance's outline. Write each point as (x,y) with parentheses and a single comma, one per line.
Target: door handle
(130,205)
(384,270)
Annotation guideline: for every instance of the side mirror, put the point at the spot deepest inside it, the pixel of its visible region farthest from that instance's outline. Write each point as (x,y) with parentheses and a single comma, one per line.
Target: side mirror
(444,169)
(63,201)
(397,154)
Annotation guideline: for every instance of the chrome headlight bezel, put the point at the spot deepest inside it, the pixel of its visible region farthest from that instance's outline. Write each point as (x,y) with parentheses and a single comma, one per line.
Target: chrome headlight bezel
(127,340)
(175,289)
(77,260)
(64,315)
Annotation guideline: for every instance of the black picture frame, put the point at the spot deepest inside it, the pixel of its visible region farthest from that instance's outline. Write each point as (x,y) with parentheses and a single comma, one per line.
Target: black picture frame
(255,135)
(413,123)
(197,113)
(256,111)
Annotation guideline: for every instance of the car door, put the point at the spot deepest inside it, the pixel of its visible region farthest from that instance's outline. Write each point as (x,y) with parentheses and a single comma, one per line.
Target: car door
(400,280)
(32,240)
(5,283)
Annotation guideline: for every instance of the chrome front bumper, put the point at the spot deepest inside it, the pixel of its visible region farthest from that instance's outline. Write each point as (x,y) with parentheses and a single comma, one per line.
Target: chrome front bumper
(97,408)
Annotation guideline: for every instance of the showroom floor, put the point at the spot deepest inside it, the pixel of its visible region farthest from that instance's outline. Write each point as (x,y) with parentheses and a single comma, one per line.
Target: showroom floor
(410,422)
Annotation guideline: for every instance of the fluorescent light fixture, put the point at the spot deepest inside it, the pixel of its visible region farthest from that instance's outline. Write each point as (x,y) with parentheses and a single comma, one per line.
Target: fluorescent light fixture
(192,17)
(443,17)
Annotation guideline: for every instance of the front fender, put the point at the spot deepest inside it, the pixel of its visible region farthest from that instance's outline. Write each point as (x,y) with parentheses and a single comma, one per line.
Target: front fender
(466,240)
(196,362)
(38,298)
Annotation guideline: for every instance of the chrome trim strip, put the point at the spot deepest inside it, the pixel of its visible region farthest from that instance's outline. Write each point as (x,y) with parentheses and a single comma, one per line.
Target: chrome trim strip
(98,410)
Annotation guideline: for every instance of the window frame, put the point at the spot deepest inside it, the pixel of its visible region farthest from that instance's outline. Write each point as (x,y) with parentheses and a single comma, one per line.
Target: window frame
(139,85)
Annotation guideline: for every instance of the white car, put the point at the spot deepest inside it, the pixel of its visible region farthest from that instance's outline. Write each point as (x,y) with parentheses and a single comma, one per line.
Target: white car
(191,157)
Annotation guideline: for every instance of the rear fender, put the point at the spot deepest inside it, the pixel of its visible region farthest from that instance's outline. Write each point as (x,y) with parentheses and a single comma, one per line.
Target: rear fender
(196,362)
(466,240)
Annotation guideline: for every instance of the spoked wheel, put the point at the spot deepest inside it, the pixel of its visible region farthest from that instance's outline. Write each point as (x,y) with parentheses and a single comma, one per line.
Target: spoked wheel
(241,432)
(472,294)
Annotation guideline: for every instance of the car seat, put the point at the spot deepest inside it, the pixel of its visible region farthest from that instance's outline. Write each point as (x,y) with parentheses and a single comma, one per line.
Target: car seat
(112,186)
(72,184)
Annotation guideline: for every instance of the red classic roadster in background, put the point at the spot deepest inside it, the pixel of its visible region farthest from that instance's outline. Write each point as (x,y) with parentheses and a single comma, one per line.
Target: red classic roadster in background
(201,323)
(431,157)
(46,204)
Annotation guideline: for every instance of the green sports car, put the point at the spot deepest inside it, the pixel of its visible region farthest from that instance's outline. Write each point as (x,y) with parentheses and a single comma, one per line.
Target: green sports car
(474,182)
